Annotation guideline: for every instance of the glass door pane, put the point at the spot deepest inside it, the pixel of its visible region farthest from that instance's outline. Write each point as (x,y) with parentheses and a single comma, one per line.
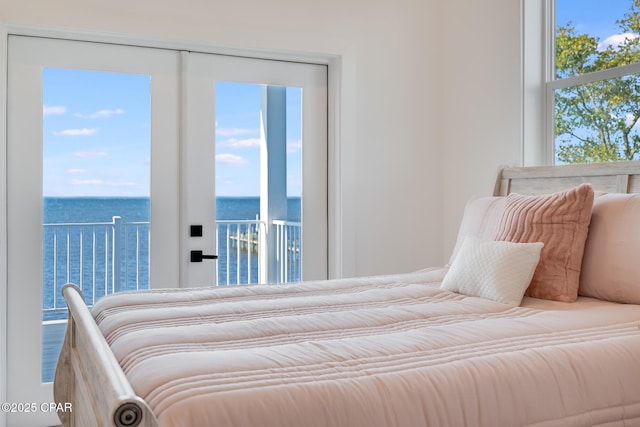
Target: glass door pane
(292,267)
(269,123)
(96,180)
(237,119)
(242,216)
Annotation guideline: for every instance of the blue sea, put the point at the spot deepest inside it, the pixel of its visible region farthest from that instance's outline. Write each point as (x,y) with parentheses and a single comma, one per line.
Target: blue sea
(99,209)
(84,254)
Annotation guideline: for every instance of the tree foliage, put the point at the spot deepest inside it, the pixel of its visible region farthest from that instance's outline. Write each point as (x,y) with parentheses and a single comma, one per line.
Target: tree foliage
(599,121)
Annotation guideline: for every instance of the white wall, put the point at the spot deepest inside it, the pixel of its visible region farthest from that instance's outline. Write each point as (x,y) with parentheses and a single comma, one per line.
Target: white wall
(389,105)
(482,102)
(430,99)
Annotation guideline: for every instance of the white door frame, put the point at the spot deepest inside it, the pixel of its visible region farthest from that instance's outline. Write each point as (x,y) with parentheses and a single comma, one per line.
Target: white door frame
(3,221)
(24,188)
(202,71)
(334,63)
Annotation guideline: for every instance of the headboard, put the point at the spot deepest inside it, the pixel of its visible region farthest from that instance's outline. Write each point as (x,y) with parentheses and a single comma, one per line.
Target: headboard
(614,177)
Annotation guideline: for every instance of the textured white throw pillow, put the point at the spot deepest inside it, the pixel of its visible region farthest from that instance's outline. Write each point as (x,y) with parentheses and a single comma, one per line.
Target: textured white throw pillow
(500,271)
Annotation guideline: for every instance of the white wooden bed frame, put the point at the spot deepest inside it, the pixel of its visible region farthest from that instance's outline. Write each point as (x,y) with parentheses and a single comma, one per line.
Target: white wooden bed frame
(89,376)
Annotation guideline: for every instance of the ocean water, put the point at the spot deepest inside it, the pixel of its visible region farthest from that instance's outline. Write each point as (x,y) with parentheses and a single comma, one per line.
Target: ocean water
(97,209)
(83,254)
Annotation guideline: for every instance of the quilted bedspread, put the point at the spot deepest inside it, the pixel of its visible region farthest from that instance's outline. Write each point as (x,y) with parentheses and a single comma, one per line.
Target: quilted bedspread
(379,351)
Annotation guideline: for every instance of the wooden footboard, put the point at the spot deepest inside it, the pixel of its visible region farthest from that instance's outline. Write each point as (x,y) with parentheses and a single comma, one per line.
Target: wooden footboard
(89,377)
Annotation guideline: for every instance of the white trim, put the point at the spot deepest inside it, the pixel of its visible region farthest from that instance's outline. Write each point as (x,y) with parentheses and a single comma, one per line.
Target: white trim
(533,81)
(334,165)
(596,76)
(165,43)
(3,220)
(549,70)
(182,214)
(523,79)
(537,69)
(549,35)
(548,144)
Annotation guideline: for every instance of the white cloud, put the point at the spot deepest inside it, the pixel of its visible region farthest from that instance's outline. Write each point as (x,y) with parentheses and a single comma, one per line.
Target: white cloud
(100,114)
(629,120)
(294,146)
(235,131)
(616,40)
(86,182)
(99,182)
(241,143)
(231,159)
(89,154)
(53,110)
(76,132)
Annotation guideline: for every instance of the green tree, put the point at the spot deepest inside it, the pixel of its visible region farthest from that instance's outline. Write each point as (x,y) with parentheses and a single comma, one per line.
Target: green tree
(596,122)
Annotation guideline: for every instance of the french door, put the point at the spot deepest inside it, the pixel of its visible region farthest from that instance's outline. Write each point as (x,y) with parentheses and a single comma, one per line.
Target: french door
(115,155)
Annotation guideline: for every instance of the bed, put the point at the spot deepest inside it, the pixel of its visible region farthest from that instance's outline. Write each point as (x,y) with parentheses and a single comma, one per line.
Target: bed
(534,321)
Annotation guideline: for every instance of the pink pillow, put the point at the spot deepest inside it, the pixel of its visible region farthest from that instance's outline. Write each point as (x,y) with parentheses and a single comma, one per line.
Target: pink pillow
(561,222)
(611,267)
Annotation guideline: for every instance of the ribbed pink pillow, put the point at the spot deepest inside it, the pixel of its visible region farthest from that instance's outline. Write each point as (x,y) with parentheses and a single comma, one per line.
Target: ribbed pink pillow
(561,222)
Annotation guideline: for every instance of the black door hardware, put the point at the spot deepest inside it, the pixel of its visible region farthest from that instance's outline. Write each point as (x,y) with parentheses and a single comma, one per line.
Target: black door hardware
(197,256)
(195,231)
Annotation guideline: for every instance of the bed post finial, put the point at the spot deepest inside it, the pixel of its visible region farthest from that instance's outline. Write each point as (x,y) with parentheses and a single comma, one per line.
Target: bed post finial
(129,414)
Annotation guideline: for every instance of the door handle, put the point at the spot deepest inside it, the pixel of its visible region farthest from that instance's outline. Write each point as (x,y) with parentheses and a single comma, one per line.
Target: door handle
(197,256)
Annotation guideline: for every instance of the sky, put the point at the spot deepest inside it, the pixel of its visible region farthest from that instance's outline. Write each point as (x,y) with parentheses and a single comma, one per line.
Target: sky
(96,129)
(96,136)
(594,17)
(597,18)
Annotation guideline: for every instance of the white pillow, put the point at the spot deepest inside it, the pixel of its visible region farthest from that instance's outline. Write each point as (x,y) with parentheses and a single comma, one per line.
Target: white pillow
(500,271)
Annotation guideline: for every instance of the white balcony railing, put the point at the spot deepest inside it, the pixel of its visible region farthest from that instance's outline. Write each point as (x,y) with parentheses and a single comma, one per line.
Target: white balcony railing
(288,238)
(238,244)
(108,257)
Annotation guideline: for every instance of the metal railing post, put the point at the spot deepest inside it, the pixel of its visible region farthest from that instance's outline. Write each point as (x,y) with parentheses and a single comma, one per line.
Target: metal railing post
(116,257)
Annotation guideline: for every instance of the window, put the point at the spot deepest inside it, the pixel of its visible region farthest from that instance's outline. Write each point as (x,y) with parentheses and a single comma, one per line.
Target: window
(593,82)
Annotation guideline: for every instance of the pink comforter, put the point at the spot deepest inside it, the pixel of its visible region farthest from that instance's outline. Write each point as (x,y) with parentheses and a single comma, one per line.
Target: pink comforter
(379,351)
